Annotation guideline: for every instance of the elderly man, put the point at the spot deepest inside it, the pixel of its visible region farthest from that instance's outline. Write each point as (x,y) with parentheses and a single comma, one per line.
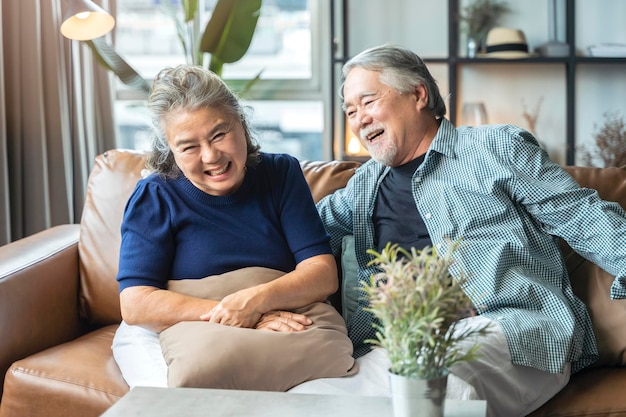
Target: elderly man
(494,187)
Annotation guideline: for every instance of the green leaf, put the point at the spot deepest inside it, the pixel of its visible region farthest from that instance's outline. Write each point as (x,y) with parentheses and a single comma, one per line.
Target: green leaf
(242,87)
(191,8)
(181,24)
(229,32)
(227,38)
(108,57)
(216,65)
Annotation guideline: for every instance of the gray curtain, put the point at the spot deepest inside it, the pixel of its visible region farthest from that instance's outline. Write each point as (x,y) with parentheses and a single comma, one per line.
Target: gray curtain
(56,115)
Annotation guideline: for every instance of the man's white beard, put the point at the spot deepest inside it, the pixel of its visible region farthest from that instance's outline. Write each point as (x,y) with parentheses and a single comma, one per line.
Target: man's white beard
(384,152)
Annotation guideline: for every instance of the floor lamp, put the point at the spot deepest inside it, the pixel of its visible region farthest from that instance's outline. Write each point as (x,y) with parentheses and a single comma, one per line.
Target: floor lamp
(84,20)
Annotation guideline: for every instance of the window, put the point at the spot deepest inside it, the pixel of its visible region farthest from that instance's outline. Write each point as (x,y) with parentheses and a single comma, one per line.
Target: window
(289,47)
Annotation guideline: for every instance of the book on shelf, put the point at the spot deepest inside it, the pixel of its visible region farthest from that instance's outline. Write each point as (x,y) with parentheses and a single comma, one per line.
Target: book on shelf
(608,50)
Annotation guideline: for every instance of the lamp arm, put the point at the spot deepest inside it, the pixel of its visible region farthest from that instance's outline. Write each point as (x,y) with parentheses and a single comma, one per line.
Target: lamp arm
(108,56)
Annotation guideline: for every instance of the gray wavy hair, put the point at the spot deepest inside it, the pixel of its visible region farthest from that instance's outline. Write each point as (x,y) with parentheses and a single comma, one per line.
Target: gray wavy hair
(400,69)
(190,87)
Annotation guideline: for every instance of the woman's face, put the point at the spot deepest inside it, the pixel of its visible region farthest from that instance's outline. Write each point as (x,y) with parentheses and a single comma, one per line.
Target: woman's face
(209,147)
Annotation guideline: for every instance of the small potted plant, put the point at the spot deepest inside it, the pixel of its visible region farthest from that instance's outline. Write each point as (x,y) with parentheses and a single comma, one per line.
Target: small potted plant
(417,304)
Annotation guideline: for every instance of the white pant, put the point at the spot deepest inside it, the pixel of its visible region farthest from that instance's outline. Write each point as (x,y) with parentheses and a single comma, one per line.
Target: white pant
(137,352)
(510,390)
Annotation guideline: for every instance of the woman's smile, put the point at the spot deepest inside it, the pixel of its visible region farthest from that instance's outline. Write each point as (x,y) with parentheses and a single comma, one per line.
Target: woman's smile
(215,172)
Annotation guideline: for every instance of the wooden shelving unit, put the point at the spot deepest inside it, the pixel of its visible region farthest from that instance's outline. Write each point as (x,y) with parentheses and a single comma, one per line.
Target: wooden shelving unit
(570,63)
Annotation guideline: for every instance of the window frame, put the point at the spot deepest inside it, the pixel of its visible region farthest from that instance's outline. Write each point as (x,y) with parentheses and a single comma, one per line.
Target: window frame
(319,87)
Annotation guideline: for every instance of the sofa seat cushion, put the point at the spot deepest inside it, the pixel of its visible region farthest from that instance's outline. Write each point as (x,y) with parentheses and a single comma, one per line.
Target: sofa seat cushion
(76,378)
(594,392)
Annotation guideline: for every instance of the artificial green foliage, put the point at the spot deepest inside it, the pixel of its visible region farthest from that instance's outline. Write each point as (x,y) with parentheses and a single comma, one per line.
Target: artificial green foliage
(187,28)
(191,9)
(229,32)
(418,303)
(227,37)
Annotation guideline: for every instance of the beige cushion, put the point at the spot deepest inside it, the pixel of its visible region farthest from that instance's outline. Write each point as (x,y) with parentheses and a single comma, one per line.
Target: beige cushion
(207,355)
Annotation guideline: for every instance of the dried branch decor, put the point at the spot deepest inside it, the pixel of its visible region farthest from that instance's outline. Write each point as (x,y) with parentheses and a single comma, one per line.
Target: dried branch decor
(610,143)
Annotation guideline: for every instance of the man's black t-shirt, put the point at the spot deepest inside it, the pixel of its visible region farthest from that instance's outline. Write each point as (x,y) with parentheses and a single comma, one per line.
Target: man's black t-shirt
(396,218)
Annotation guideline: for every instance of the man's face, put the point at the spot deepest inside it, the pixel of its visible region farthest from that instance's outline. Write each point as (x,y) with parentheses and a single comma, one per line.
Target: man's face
(386,121)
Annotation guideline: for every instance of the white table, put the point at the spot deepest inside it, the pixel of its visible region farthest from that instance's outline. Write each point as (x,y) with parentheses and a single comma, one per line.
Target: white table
(194,402)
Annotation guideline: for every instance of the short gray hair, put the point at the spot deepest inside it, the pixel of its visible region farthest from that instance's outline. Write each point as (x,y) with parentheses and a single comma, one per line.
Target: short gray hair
(190,87)
(400,69)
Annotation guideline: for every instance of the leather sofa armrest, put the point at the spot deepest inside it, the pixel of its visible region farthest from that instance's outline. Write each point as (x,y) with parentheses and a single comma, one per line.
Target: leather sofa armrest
(38,293)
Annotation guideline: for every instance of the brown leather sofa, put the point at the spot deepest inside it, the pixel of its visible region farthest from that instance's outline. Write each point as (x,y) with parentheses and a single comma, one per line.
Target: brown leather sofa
(59,304)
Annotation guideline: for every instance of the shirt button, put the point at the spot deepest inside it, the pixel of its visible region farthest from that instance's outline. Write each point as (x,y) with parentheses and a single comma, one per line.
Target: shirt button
(427,216)
(418,179)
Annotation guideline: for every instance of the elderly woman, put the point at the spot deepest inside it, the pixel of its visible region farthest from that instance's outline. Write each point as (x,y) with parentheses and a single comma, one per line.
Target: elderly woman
(214,203)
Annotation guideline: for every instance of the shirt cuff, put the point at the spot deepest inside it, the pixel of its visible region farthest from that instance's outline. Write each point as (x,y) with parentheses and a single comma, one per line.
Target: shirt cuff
(618,288)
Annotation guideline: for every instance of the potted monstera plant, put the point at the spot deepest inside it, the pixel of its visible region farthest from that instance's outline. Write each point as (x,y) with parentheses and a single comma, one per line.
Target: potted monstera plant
(226,38)
(418,304)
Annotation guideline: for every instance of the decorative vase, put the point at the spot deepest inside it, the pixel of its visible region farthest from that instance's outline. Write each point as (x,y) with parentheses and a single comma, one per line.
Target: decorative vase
(474,114)
(417,397)
(472,47)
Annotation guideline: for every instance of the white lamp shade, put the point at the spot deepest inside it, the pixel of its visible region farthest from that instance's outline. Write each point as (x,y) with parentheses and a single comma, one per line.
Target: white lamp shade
(85,20)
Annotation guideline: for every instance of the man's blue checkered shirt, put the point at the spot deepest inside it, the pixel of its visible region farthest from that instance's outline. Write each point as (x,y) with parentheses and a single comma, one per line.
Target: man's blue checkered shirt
(495,188)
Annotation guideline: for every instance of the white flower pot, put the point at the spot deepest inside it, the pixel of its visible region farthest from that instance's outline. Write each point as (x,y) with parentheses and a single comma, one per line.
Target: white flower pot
(412,397)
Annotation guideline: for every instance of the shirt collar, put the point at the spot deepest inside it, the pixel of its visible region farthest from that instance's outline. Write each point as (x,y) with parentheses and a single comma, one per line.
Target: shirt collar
(445,140)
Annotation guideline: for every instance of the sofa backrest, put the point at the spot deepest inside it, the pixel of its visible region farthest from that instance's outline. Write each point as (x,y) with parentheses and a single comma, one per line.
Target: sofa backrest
(326,177)
(610,182)
(592,284)
(116,172)
(110,184)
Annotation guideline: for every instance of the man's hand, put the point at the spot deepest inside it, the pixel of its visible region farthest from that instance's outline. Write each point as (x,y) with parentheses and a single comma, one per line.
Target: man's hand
(283,321)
